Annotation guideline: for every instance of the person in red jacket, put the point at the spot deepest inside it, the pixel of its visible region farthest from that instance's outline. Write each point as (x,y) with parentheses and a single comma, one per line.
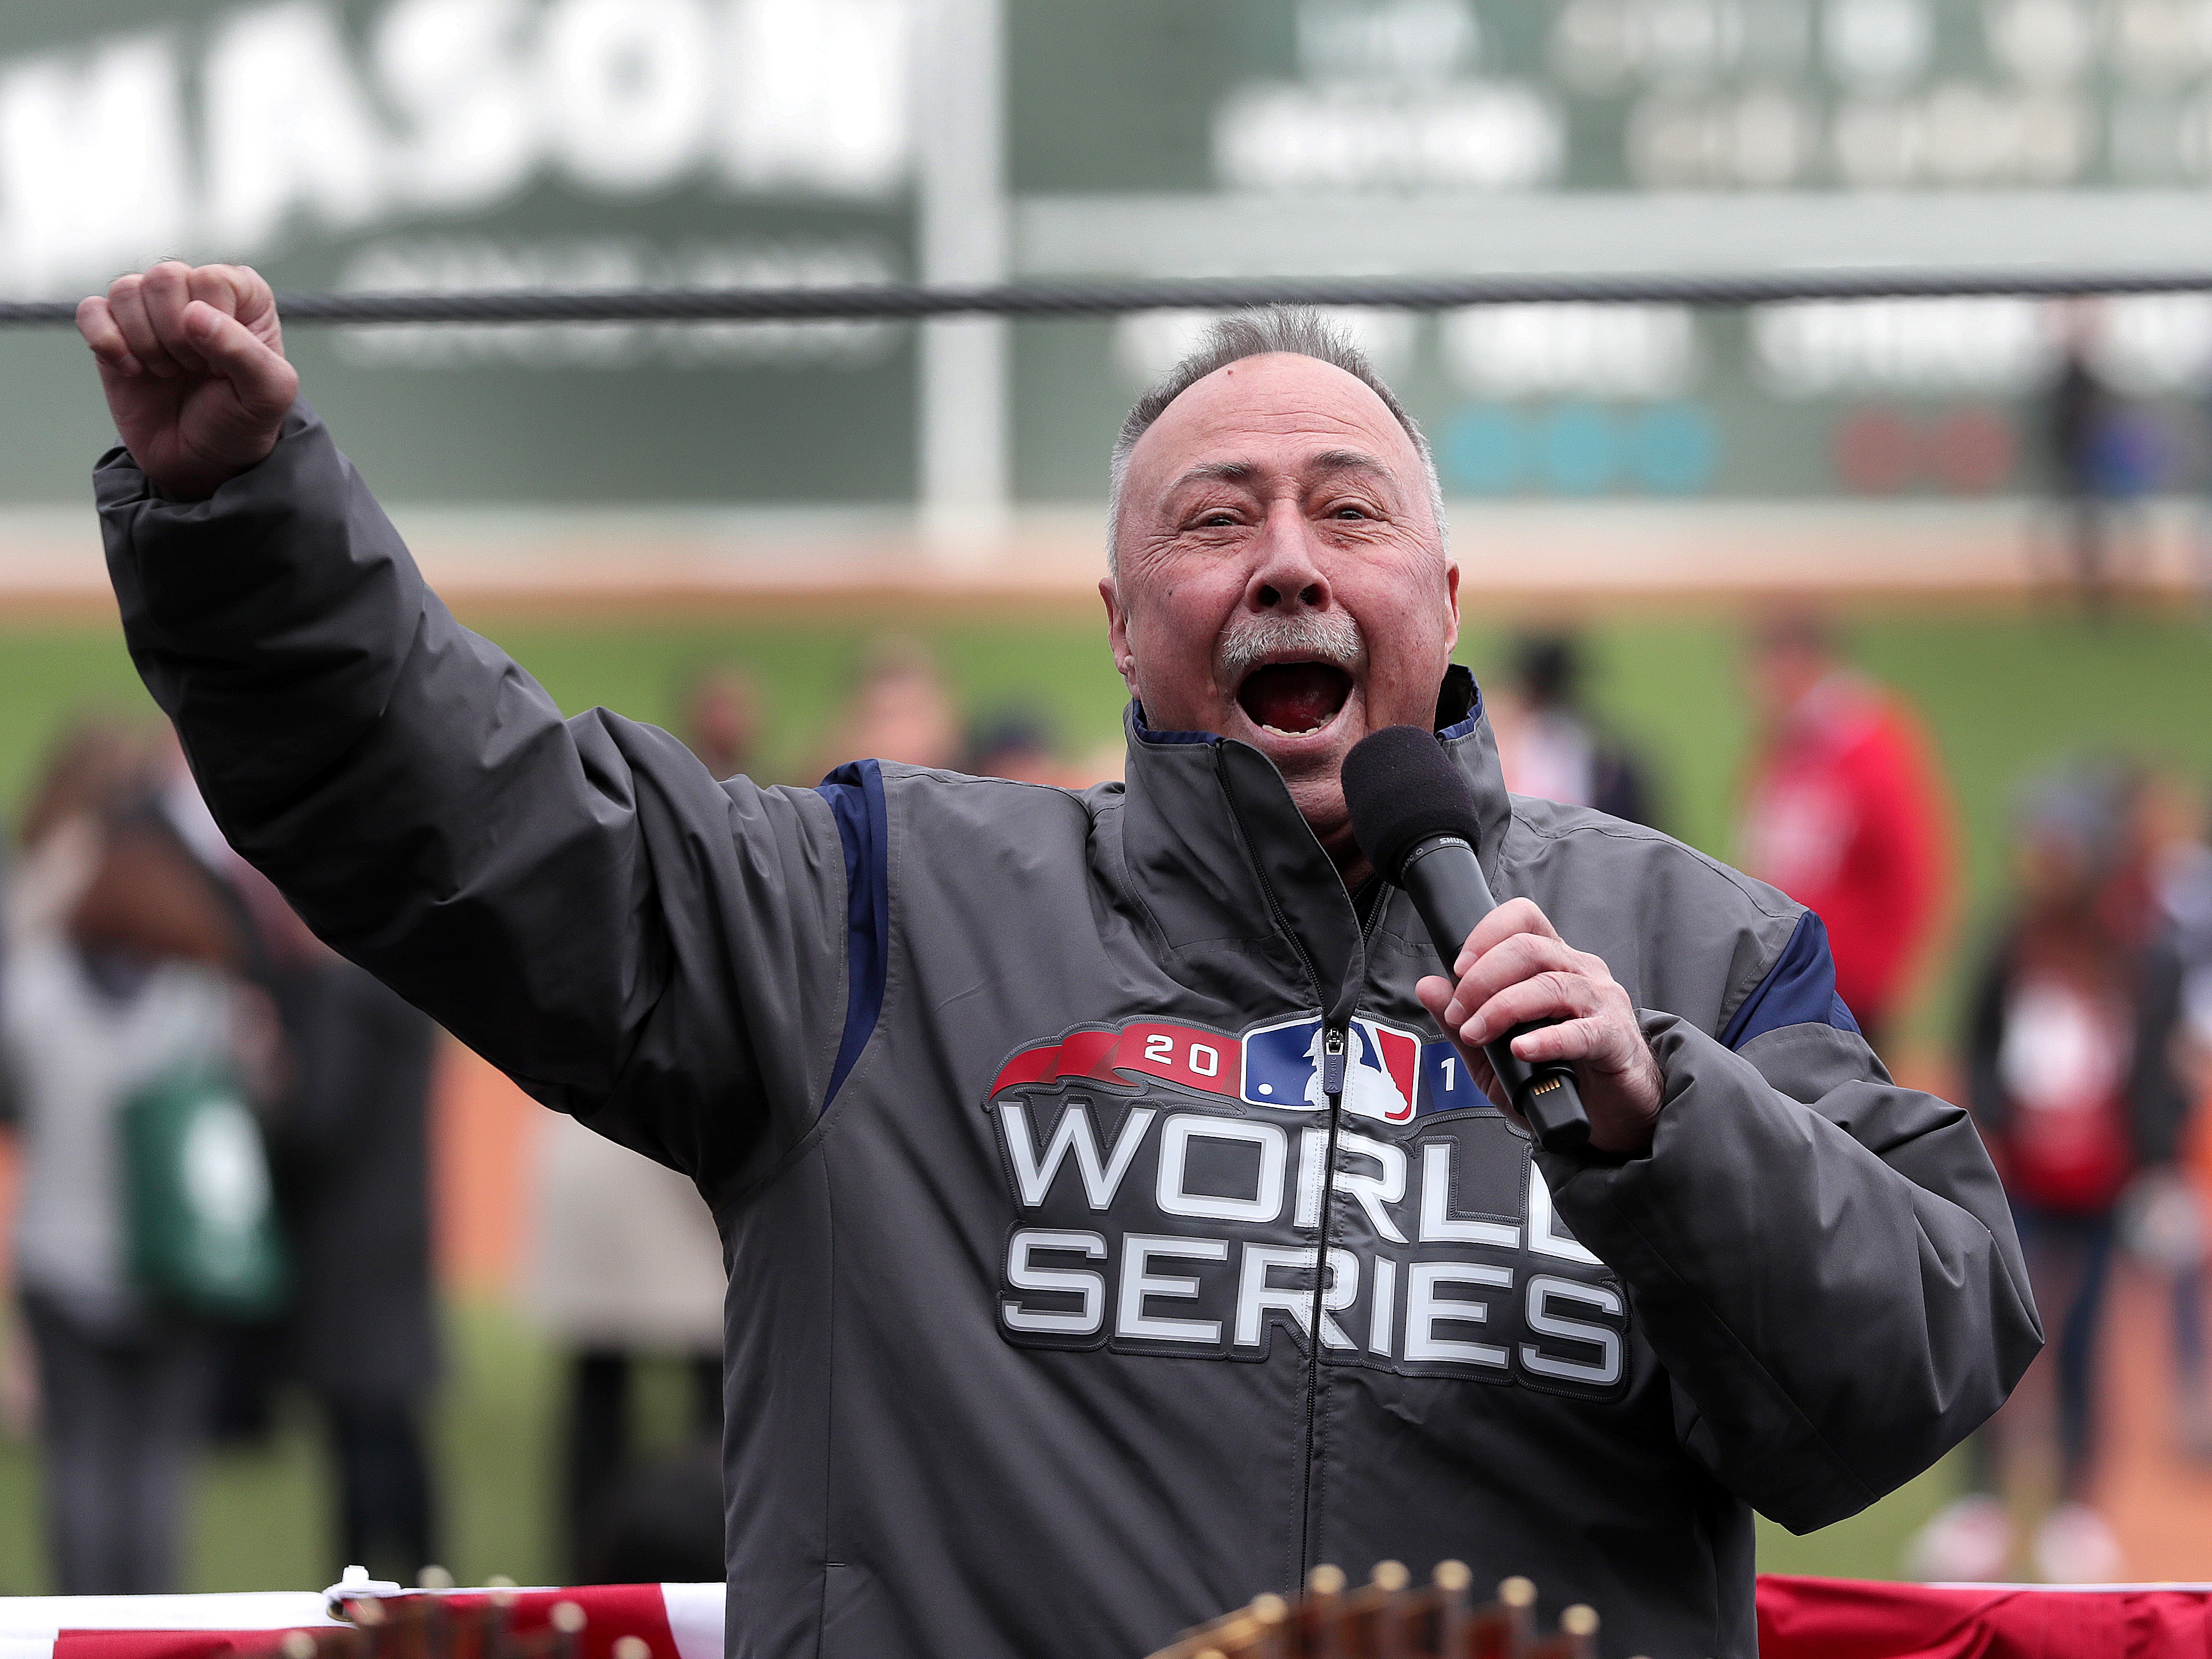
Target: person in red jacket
(1845,815)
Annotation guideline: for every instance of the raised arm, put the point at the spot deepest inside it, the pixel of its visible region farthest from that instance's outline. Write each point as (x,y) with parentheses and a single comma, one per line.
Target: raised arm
(660,954)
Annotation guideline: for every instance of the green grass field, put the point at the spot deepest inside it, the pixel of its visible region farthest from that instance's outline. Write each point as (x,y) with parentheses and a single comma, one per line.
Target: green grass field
(2005,691)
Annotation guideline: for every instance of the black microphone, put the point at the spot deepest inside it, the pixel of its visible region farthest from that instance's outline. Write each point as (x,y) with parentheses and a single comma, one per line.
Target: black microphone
(1415,817)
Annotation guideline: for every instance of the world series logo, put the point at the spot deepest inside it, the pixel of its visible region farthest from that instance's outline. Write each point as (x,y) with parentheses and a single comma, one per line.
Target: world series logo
(1170,1184)
(1391,1074)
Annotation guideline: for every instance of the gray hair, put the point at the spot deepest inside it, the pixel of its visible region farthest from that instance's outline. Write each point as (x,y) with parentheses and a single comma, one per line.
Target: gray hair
(1295,331)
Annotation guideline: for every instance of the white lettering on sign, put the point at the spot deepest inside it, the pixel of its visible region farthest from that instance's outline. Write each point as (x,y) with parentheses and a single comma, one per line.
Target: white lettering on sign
(629,86)
(92,160)
(436,106)
(290,132)
(457,265)
(1571,350)
(468,121)
(1463,134)
(824,106)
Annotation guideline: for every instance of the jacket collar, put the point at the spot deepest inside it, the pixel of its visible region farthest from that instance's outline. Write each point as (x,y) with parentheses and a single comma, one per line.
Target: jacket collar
(1227,868)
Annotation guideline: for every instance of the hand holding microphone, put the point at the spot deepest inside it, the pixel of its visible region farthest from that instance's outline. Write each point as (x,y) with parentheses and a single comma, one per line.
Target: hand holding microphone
(1546,1020)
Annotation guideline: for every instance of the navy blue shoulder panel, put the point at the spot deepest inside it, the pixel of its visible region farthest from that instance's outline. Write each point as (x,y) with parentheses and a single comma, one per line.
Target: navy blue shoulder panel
(855,794)
(1145,734)
(1460,729)
(1799,989)
(1459,691)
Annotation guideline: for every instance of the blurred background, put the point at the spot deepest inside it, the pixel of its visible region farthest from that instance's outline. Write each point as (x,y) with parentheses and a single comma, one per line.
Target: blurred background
(1903,604)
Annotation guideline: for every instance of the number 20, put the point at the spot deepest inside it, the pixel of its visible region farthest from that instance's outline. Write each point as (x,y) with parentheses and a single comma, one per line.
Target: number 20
(1204,1061)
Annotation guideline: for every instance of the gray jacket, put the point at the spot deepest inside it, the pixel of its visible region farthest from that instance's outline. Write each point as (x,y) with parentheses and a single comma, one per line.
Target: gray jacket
(1005,1098)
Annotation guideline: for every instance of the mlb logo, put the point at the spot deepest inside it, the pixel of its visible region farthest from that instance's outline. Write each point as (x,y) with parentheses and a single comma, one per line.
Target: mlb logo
(1282,1067)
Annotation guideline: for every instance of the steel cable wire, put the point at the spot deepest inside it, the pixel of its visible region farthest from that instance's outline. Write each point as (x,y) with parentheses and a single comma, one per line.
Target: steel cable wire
(1107,298)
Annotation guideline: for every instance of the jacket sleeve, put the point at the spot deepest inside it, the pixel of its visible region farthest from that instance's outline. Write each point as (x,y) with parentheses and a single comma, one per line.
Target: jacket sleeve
(578,901)
(1823,1262)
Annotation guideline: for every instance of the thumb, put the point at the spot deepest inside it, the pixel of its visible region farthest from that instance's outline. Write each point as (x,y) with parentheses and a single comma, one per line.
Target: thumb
(264,383)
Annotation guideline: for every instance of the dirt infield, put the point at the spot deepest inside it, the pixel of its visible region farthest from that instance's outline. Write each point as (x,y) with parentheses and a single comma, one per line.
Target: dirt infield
(2158,1498)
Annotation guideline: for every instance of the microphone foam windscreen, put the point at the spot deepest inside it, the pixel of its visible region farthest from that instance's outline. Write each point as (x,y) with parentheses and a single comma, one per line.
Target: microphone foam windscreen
(1402,789)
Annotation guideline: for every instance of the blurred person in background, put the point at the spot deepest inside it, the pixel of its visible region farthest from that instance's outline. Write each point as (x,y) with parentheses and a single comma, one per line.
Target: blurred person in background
(2075,412)
(121,976)
(2070,1074)
(901,709)
(660,1521)
(249,1360)
(722,718)
(352,1157)
(1552,746)
(2103,457)
(349,1153)
(627,1271)
(1843,813)
(1017,744)
(1012,743)
(2163,1214)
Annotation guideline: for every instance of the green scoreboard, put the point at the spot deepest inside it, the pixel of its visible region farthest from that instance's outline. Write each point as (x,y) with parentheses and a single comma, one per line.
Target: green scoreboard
(381,144)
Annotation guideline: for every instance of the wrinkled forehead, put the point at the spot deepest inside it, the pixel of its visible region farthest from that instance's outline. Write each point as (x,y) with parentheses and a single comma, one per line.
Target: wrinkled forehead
(1276,415)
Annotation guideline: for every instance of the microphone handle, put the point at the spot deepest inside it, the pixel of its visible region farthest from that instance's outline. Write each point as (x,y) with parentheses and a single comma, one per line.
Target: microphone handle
(1444,880)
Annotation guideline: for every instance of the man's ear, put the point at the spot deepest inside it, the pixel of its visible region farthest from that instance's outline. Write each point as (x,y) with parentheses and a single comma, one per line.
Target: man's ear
(1451,599)
(1117,634)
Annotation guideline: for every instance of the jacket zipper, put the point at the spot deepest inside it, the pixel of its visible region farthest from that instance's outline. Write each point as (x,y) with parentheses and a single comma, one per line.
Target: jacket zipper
(1332,1082)
(1335,1041)
(1329,1168)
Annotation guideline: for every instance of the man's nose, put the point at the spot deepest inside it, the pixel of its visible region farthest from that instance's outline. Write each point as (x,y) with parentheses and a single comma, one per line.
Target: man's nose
(1288,575)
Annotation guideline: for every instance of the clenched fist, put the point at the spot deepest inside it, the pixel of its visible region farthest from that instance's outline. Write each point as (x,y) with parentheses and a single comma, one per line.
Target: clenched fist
(192,360)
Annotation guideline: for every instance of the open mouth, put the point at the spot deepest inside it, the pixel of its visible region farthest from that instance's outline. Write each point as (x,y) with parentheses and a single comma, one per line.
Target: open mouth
(1294,698)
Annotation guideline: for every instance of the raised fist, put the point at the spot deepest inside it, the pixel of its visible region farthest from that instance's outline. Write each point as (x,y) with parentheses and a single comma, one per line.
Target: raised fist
(192,360)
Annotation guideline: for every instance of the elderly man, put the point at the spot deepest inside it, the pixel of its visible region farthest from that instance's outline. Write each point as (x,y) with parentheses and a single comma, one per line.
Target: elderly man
(1060,1316)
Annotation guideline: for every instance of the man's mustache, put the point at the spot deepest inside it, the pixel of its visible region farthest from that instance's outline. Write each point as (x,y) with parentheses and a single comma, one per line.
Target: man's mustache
(1329,637)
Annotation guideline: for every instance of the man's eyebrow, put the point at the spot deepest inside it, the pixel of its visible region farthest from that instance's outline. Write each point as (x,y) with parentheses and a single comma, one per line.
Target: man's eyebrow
(1329,460)
(1216,472)
(1349,460)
